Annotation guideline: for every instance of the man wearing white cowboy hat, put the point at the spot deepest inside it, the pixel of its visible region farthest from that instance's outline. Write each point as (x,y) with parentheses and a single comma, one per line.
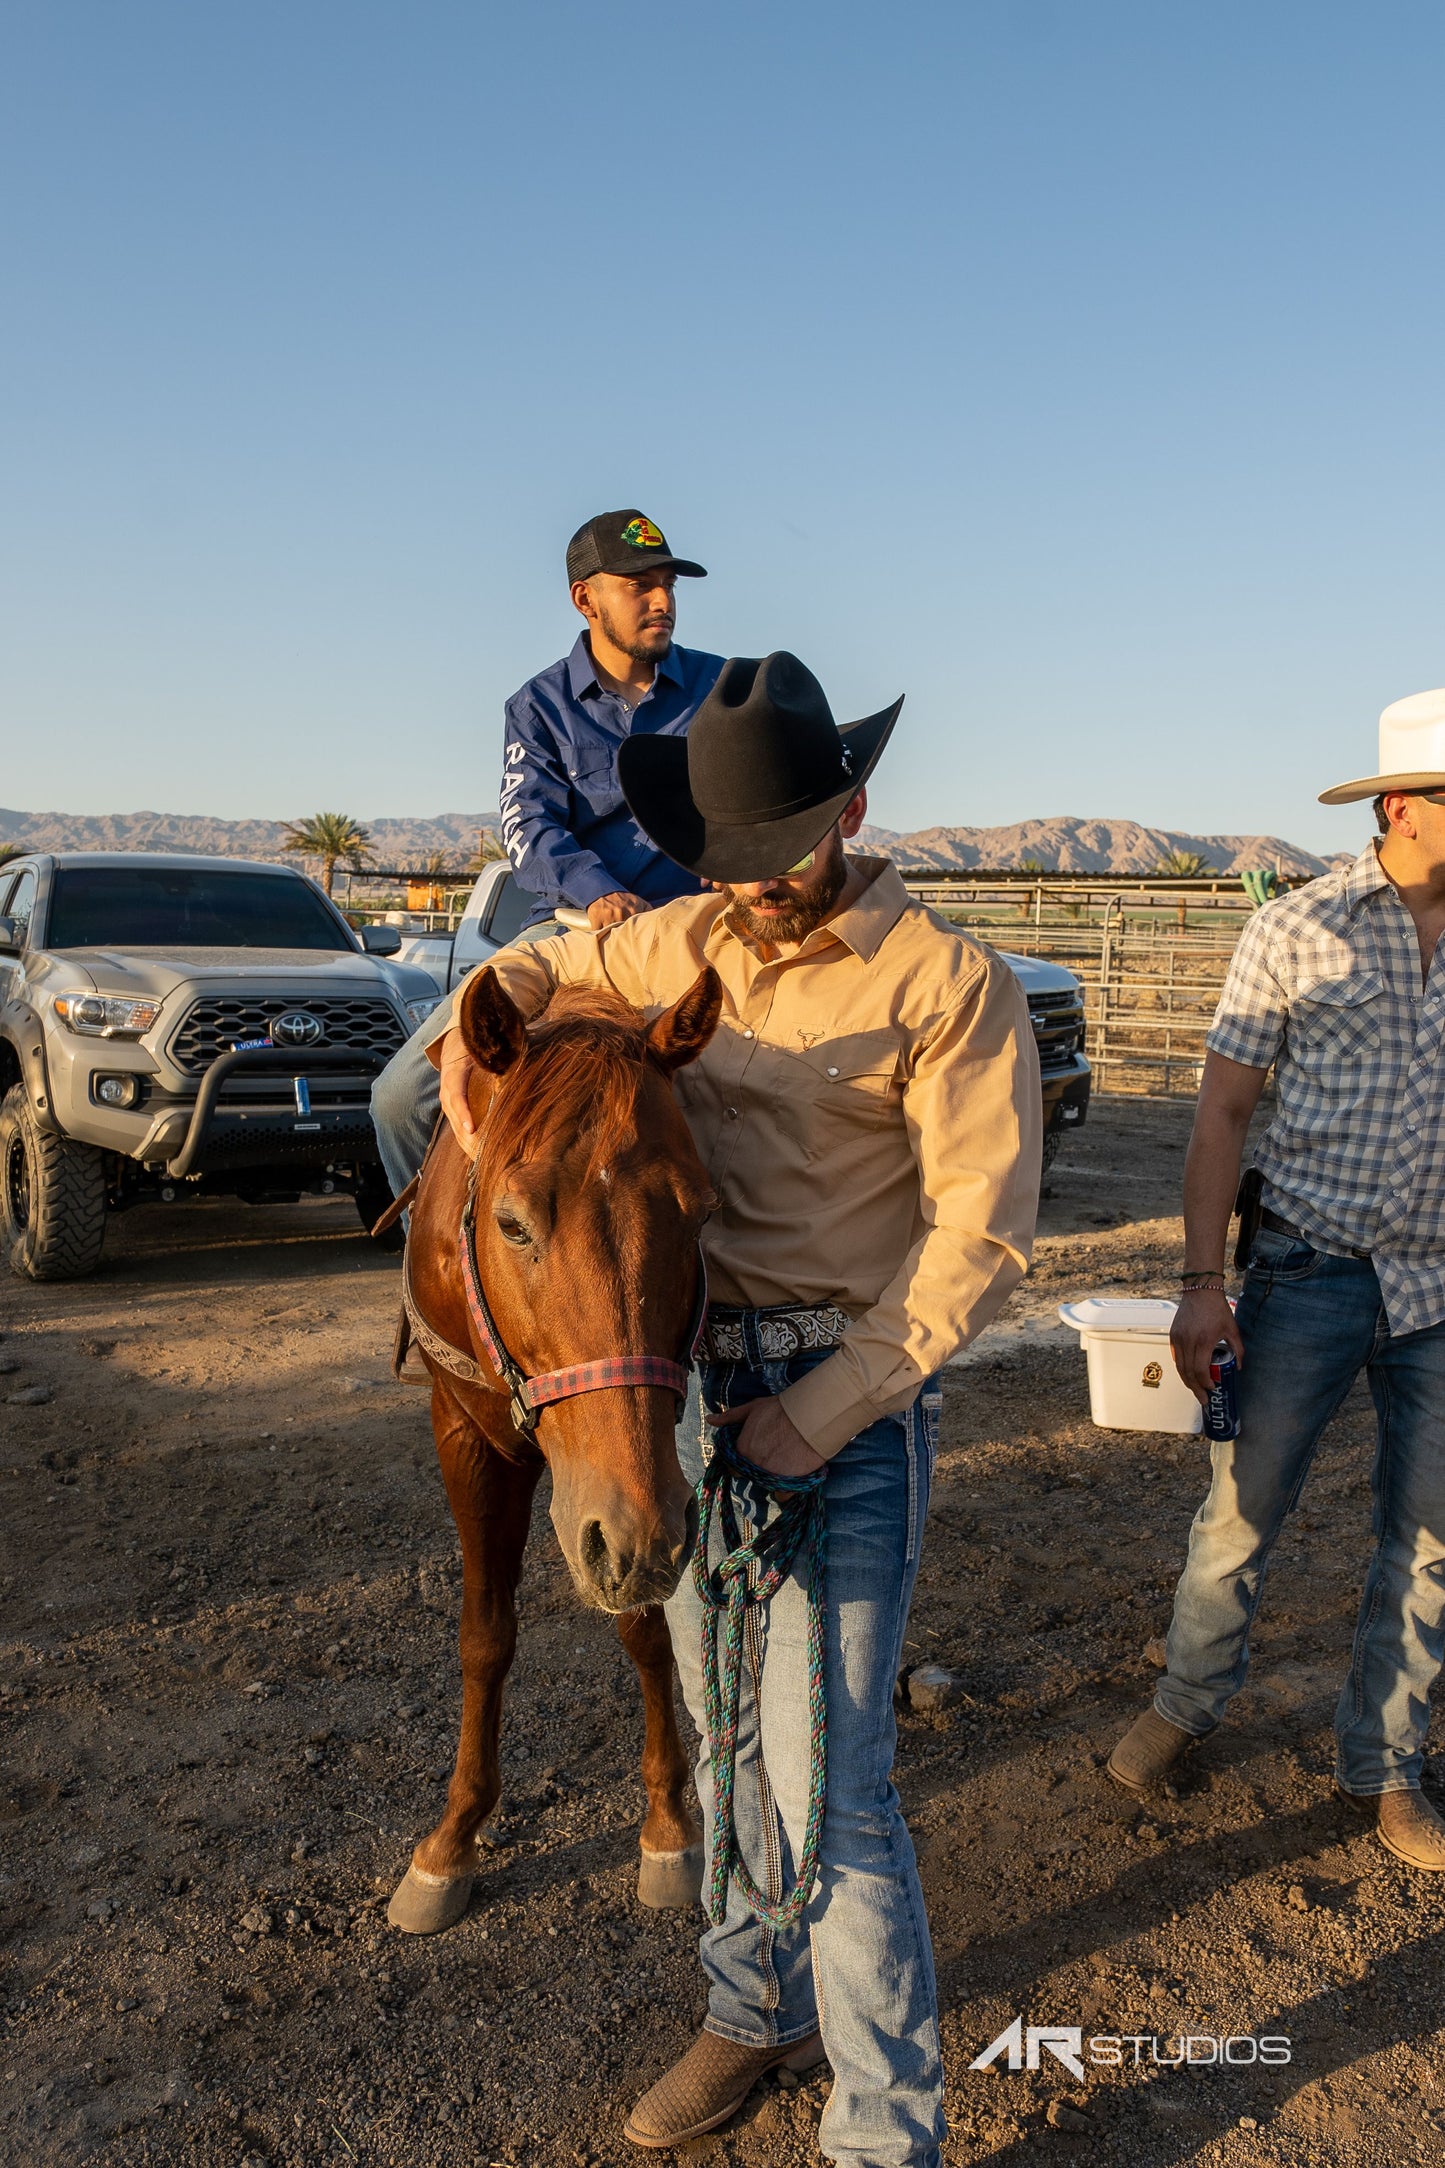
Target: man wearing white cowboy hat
(1340,988)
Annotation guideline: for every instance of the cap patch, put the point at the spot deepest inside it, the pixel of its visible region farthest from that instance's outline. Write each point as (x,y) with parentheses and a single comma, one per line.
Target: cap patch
(640,534)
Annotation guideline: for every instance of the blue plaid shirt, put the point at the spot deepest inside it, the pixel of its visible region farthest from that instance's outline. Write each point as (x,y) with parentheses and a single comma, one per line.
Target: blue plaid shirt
(565,823)
(1326,985)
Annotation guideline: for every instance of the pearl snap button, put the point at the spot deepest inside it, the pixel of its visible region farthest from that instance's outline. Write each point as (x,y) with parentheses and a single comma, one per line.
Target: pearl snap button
(832,1072)
(747,1035)
(732,1114)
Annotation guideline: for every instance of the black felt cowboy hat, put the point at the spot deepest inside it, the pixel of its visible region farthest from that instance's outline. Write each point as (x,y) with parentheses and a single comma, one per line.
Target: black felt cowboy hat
(761,776)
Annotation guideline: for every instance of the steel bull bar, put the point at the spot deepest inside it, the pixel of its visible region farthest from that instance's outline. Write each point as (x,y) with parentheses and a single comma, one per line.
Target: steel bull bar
(296,1063)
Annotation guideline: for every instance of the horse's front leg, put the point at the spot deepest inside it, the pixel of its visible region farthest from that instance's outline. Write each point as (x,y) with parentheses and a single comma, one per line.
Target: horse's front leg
(671,1870)
(491,1502)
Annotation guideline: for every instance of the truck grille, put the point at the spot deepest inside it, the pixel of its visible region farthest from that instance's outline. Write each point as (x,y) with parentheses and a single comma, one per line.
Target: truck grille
(366,1024)
(1058,1021)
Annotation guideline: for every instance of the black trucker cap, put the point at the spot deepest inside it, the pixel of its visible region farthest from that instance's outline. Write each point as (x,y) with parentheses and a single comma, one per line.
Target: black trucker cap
(626,543)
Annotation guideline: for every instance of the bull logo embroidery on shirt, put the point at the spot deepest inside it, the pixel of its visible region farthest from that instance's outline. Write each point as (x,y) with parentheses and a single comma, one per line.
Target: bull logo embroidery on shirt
(640,534)
(809,1039)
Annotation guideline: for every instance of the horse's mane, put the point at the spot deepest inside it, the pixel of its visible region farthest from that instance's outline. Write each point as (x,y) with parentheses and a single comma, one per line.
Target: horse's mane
(582,1073)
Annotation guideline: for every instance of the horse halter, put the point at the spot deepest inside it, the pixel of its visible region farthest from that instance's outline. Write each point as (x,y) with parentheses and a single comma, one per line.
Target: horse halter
(529,1395)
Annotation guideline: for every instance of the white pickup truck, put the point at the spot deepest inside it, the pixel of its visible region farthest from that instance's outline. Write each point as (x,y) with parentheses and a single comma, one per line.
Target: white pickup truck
(497,908)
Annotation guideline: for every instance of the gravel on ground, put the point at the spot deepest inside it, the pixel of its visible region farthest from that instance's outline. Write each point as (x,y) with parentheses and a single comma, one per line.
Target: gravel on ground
(228,1687)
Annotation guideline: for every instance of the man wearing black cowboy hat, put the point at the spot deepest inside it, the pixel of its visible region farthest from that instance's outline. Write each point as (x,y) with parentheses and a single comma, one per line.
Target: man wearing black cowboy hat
(868,1114)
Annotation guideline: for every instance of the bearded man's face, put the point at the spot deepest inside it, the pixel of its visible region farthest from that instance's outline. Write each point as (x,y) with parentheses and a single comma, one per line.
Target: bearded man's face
(636,614)
(790,906)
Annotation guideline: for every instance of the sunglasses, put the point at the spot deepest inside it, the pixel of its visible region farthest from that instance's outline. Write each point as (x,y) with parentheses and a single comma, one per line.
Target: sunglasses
(804,865)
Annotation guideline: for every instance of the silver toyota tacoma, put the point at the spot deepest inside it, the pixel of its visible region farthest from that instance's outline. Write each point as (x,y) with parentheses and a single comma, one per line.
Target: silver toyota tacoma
(176,1025)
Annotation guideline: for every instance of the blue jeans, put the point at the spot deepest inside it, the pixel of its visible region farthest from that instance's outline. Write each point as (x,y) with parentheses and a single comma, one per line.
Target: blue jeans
(1310,1323)
(859,1962)
(405,1102)
(406,1097)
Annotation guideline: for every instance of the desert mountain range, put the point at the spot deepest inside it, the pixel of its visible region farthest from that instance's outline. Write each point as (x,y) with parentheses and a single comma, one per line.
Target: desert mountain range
(1062,845)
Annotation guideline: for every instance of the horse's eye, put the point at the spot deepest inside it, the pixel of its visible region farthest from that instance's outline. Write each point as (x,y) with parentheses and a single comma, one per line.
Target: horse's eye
(512,1230)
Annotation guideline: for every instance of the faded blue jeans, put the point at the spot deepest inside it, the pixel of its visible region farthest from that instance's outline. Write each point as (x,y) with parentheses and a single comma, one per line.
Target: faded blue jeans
(406,1098)
(1310,1324)
(859,1962)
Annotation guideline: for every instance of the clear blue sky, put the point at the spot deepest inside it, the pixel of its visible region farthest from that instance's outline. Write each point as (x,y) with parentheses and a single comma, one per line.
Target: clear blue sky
(1074,367)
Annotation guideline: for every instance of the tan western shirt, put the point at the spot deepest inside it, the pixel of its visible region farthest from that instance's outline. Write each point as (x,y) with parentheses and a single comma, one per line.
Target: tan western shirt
(868,1112)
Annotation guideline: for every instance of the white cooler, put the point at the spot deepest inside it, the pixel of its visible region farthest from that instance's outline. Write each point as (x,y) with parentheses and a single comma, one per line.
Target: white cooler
(1133,1384)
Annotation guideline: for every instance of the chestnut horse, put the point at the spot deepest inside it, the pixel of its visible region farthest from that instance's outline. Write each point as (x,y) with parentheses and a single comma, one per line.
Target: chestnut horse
(587,1199)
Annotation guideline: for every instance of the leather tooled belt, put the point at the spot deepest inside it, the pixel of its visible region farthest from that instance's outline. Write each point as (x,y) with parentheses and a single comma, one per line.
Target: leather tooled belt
(1278,1225)
(776,1334)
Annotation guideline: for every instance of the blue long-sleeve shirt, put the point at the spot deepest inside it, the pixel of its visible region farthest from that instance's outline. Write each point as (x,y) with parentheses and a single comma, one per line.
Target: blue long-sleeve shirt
(565,823)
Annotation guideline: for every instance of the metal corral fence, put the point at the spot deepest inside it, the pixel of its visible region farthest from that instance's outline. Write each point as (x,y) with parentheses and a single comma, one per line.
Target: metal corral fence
(1152,955)
(1151,952)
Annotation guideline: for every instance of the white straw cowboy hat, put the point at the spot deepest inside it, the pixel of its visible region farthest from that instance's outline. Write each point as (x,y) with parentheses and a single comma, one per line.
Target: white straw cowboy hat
(1412,751)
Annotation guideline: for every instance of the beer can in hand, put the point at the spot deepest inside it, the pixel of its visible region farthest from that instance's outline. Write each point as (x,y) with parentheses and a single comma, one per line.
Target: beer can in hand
(1221,1409)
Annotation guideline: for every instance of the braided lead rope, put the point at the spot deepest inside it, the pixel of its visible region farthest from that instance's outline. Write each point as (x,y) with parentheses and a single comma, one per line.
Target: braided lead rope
(750,1574)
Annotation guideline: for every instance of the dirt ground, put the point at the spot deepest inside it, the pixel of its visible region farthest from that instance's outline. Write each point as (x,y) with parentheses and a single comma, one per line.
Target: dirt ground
(229,1687)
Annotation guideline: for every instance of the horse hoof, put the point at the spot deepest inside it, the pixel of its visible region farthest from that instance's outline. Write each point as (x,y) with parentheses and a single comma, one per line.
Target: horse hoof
(423,1904)
(668,1880)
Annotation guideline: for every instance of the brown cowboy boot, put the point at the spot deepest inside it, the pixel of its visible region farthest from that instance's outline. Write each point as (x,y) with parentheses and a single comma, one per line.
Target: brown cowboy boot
(709,2084)
(413,1370)
(1407,1825)
(407,1366)
(1150,1750)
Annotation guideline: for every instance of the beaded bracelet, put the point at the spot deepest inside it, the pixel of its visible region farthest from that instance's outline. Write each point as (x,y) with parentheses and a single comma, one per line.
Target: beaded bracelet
(1203,1287)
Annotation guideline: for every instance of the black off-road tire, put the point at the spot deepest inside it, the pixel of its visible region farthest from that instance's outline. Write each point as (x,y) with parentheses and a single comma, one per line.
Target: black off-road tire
(373,1195)
(52,1197)
(1053,1138)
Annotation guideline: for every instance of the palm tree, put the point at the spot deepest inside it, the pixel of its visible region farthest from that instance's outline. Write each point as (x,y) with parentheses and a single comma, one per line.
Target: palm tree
(488,850)
(329,836)
(1182,866)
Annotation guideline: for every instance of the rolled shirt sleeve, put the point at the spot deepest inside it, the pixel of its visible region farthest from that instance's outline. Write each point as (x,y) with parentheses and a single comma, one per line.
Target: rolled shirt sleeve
(1249,1023)
(531,971)
(973,1111)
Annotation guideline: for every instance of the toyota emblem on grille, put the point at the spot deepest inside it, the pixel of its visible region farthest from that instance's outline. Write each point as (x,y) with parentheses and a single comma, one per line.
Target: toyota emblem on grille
(298,1027)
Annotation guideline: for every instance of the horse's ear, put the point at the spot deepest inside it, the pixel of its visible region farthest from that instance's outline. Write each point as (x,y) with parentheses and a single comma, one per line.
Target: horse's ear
(490,1022)
(679,1035)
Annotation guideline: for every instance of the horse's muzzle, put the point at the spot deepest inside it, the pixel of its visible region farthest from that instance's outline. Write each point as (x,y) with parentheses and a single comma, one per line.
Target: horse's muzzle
(617,1573)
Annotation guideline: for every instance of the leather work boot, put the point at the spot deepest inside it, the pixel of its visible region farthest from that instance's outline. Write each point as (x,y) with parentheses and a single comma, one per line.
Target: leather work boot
(1407,1825)
(1150,1750)
(709,2084)
(413,1370)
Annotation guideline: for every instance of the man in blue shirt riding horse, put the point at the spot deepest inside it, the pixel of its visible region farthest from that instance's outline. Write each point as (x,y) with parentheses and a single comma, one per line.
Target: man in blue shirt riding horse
(565,824)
